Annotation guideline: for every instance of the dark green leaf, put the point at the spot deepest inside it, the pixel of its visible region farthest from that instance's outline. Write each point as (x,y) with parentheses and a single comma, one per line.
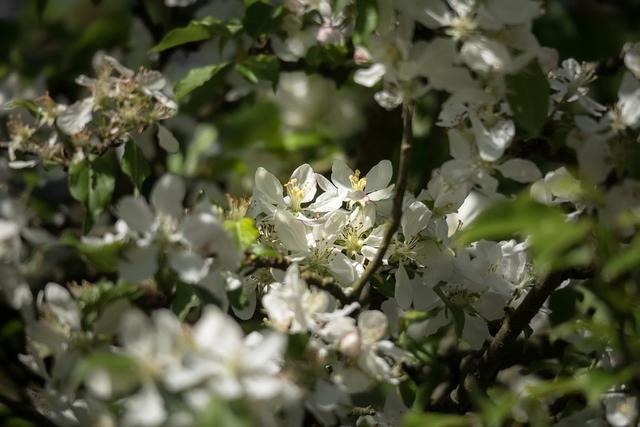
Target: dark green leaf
(92,183)
(297,346)
(327,54)
(239,129)
(103,258)
(195,31)
(260,67)
(79,180)
(528,96)
(196,78)
(262,18)
(184,300)
(366,20)
(102,184)
(563,303)
(407,391)
(238,298)
(624,261)
(134,164)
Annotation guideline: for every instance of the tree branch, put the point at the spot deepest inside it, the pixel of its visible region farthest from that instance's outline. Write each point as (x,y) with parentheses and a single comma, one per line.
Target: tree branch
(482,373)
(406,146)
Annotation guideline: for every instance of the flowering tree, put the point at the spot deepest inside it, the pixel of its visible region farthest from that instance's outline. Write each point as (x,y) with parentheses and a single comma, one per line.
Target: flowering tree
(495,285)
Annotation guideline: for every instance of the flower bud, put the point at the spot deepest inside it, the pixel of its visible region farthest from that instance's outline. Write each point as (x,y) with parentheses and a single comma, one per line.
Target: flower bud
(350,344)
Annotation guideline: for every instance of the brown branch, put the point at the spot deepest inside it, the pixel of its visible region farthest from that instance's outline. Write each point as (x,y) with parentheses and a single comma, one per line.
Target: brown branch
(396,214)
(481,373)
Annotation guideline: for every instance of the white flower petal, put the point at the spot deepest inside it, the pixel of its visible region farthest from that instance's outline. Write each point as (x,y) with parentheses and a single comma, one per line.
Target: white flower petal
(520,170)
(145,408)
(76,116)
(191,267)
(138,263)
(368,77)
(475,331)
(372,325)
(306,181)
(267,187)
(492,142)
(340,174)
(136,213)
(291,232)
(379,176)
(485,55)
(404,288)
(62,305)
(167,196)
(415,219)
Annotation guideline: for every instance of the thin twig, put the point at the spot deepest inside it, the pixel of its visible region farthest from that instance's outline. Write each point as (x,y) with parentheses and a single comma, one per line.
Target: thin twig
(396,214)
(282,263)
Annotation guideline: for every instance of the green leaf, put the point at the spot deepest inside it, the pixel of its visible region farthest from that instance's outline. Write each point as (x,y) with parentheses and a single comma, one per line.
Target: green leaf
(407,391)
(224,413)
(92,183)
(184,300)
(264,251)
(528,96)
(102,183)
(297,346)
(331,55)
(96,298)
(563,304)
(262,18)
(79,177)
(238,298)
(366,20)
(27,104)
(417,419)
(134,164)
(195,31)
(196,78)
(260,67)
(624,261)
(238,128)
(243,232)
(204,140)
(103,258)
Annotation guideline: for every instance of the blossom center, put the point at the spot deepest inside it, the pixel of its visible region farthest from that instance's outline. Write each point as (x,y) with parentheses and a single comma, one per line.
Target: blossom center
(461,27)
(357,183)
(295,193)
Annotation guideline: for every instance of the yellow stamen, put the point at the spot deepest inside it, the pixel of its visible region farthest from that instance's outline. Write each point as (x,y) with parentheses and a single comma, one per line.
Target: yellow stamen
(296,194)
(357,183)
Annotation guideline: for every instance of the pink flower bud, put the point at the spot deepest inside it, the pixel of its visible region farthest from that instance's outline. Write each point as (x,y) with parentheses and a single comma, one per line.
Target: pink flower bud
(350,344)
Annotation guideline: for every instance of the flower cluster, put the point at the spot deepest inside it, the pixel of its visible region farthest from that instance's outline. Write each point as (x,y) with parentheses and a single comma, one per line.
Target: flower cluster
(121,102)
(338,296)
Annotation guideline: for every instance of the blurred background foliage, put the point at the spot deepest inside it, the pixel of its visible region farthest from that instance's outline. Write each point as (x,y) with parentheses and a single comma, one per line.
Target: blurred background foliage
(312,113)
(315,112)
